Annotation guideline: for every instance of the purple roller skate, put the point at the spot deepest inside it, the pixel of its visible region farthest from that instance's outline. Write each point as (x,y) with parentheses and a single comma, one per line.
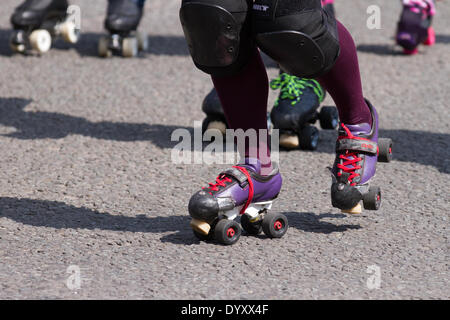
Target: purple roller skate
(240,190)
(358,150)
(414,27)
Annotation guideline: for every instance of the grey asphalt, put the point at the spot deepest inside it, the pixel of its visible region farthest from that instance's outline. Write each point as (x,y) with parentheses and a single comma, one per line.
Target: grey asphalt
(87,182)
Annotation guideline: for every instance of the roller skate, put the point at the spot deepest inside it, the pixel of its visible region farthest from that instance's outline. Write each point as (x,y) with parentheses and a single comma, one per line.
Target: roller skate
(238,191)
(122,20)
(414,27)
(358,150)
(295,111)
(37,22)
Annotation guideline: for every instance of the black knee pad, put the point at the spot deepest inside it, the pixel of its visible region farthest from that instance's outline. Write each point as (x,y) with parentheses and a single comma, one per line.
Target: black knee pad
(299,35)
(218,34)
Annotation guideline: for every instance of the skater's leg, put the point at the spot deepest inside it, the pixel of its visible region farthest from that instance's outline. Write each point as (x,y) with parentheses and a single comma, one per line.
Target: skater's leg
(241,81)
(343,82)
(244,100)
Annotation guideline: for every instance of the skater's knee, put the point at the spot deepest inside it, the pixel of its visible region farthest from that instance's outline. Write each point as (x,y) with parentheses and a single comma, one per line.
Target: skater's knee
(218,34)
(300,36)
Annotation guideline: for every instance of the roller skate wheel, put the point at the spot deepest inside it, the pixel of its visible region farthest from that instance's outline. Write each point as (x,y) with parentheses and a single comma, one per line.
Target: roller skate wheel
(252,227)
(372,199)
(41,40)
(384,150)
(142,41)
(20,48)
(217,125)
(227,232)
(309,138)
(69,31)
(329,118)
(275,225)
(130,47)
(289,141)
(355,210)
(103,48)
(201,227)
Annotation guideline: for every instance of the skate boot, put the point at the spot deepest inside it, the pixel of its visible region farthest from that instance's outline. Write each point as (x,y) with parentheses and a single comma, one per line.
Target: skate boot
(238,191)
(295,111)
(37,22)
(358,150)
(122,20)
(414,27)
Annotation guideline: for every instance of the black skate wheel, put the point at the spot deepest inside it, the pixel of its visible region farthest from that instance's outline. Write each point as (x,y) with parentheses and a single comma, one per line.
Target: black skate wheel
(252,228)
(309,138)
(384,150)
(329,118)
(372,199)
(227,231)
(275,225)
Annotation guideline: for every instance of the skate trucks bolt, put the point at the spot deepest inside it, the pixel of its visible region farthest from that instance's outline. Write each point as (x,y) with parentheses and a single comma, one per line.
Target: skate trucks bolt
(239,190)
(357,151)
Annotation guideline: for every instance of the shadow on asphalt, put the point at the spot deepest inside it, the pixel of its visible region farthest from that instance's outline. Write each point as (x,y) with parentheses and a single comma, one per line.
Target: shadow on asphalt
(59,215)
(392,49)
(380,49)
(311,222)
(409,146)
(50,125)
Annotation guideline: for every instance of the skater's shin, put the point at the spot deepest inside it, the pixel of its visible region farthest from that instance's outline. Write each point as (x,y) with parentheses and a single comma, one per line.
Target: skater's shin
(343,82)
(244,101)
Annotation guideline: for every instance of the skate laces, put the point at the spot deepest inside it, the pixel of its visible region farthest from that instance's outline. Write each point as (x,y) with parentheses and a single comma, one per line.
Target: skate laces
(223,179)
(349,159)
(291,88)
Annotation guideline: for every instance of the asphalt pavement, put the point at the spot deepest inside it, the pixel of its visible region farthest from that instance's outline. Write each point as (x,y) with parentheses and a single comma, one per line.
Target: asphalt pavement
(92,206)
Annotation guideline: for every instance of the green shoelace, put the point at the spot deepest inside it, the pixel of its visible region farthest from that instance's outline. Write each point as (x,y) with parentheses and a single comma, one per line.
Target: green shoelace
(291,88)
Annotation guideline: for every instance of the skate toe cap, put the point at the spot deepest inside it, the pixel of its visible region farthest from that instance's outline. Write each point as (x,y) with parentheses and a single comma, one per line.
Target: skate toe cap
(203,206)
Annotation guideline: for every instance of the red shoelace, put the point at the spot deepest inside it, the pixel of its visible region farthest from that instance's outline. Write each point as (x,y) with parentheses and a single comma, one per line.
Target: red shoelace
(351,159)
(222,180)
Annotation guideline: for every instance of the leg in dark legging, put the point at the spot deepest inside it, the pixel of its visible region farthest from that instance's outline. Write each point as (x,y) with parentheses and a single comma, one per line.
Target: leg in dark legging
(343,82)
(244,100)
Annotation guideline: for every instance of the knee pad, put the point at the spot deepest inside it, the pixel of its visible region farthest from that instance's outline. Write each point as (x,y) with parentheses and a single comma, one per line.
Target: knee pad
(218,34)
(299,35)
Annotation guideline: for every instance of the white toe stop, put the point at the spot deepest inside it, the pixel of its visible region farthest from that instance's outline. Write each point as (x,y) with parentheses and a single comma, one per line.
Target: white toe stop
(355,210)
(218,125)
(200,226)
(289,141)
